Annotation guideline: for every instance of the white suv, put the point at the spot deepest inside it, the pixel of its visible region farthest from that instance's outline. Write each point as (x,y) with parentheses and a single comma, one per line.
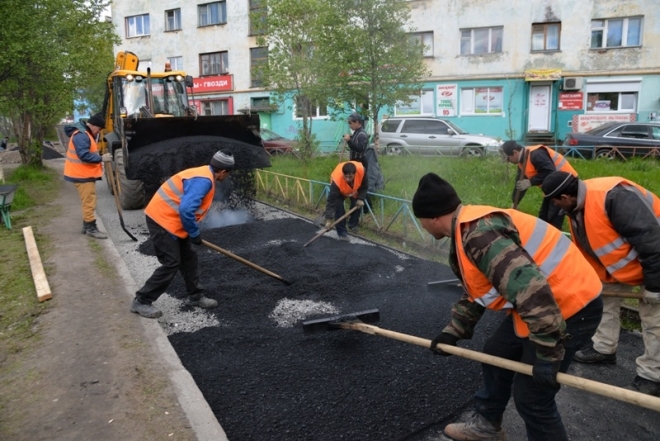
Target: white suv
(432,136)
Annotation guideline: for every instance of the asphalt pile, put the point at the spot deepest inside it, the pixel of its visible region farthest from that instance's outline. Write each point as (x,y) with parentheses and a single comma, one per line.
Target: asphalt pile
(267,380)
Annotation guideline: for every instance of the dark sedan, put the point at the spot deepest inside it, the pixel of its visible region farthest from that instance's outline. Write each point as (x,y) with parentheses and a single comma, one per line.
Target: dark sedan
(615,140)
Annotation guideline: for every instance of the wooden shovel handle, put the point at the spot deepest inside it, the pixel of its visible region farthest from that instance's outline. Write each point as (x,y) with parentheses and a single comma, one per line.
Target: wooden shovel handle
(325,230)
(618,393)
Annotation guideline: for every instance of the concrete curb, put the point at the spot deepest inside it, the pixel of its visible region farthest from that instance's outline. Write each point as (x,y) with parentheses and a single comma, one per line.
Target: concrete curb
(201,418)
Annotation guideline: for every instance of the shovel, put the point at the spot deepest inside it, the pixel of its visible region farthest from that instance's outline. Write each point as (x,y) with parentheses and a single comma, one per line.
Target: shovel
(107,165)
(245,261)
(356,322)
(325,230)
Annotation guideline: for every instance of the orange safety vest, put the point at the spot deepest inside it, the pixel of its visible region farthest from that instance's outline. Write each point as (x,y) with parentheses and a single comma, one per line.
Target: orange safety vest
(337,177)
(573,282)
(561,164)
(77,169)
(617,259)
(164,206)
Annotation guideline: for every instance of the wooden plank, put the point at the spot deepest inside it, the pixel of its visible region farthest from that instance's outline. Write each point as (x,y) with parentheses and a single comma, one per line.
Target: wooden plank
(38,273)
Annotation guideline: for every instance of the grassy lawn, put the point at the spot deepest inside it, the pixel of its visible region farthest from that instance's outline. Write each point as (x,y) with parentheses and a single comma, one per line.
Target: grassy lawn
(36,189)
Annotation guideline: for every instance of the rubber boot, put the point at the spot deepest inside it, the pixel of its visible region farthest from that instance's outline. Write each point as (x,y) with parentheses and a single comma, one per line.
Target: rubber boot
(92,230)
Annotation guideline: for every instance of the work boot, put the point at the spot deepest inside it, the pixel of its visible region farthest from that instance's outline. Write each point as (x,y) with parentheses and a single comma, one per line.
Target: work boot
(92,230)
(202,301)
(592,356)
(645,386)
(344,238)
(146,310)
(476,428)
(84,228)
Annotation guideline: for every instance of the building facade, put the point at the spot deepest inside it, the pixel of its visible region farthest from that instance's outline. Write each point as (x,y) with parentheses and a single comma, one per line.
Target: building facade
(527,70)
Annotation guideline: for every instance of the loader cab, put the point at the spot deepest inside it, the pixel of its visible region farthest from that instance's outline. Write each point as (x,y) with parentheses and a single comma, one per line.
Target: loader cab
(168,93)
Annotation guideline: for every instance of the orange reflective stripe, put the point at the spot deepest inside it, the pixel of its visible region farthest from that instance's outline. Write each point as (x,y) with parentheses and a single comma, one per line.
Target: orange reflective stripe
(561,163)
(164,206)
(571,278)
(337,177)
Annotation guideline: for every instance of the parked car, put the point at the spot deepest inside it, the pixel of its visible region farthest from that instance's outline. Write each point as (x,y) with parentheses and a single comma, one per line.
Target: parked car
(276,144)
(432,136)
(616,140)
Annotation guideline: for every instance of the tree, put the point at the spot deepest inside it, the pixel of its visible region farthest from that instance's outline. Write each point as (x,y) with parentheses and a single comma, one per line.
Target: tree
(371,59)
(54,48)
(289,30)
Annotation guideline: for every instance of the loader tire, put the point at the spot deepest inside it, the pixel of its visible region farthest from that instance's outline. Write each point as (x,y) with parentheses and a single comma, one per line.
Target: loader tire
(131,192)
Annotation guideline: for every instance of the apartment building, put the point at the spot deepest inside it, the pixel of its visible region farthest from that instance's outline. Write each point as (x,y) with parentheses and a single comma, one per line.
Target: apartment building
(530,70)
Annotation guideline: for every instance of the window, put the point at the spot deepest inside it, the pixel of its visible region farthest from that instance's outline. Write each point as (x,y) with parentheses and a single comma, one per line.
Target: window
(315,111)
(419,105)
(545,36)
(219,107)
(137,25)
(612,102)
(261,102)
(620,32)
(257,17)
(173,20)
(481,100)
(176,63)
(215,63)
(481,40)
(212,14)
(258,60)
(426,40)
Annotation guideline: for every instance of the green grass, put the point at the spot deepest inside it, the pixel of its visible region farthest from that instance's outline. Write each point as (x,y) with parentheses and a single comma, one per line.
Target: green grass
(20,307)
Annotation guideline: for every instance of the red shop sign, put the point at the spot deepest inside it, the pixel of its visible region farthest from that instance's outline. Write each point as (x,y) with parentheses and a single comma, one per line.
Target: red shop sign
(213,84)
(571,101)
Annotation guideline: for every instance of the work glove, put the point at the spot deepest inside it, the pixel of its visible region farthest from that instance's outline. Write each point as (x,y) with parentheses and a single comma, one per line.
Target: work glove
(444,338)
(107,157)
(197,240)
(328,223)
(651,297)
(359,203)
(523,184)
(545,372)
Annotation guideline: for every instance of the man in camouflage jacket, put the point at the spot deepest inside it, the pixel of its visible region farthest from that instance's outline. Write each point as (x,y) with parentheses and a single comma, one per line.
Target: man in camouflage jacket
(491,247)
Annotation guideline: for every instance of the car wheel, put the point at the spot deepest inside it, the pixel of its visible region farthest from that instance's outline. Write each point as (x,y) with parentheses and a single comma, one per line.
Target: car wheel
(394,150)
(472,151)
(605,154)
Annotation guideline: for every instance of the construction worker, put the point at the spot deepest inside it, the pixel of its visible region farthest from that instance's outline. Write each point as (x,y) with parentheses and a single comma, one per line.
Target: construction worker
(614,222)
(173,216)
(348,180)
(535,163)
(511,261)
(82,166)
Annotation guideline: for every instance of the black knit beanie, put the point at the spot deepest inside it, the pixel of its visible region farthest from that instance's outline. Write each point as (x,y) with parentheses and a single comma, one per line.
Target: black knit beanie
(434,197)
(97,120)
(555,184)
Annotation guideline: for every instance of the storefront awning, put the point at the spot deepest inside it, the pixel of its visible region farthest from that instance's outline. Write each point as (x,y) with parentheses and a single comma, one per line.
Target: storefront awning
(542,74)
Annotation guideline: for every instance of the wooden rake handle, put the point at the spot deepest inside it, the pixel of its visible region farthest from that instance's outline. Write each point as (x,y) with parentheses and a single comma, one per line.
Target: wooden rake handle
(325,230)
(618,393)
(245,261)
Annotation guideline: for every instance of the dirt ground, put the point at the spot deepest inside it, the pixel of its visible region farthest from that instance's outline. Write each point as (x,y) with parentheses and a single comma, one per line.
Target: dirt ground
(94,373)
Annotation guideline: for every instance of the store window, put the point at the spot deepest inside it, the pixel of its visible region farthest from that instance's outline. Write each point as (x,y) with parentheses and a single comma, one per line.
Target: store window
(173,20)
(215,63)
(137,26)
(481,40)
(481,101)
(212,14)
(421,104)
(217,107)
(426,40)
(545,37)
(608,96)
(616,32)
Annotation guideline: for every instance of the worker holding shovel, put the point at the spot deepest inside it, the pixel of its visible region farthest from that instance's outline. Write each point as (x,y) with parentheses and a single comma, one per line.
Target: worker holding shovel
(614,222)
(173,216)
(511,261)
(348,180)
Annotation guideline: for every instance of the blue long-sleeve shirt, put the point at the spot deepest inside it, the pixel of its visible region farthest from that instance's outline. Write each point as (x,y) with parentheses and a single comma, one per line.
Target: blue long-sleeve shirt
(194,191)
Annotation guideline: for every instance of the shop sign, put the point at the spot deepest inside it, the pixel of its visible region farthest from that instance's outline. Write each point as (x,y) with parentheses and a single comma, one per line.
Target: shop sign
(584,123)
(446,99)
(217,83)
(542,74)
(571,101)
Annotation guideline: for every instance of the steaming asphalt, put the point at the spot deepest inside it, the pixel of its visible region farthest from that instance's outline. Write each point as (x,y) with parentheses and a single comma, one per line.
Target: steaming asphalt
(585,415)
